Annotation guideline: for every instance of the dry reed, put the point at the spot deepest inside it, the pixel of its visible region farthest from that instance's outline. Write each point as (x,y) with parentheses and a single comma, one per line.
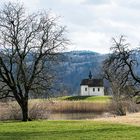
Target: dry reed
(41,109)
(78,107)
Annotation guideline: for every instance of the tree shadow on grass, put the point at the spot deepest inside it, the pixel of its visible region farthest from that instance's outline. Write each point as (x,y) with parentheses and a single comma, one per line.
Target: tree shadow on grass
(75,98)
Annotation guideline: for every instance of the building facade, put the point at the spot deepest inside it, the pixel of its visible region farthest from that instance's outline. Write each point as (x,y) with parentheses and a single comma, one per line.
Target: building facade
(92,87)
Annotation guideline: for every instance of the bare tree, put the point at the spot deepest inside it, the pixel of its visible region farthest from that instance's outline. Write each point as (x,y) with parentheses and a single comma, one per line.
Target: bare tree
(120,69)
(30,44)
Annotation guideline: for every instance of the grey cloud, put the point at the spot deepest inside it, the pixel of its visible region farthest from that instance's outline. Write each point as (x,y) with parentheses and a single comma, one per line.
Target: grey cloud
(97,19)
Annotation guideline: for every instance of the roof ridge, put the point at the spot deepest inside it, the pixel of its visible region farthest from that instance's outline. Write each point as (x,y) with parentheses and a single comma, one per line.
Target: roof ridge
(92,82)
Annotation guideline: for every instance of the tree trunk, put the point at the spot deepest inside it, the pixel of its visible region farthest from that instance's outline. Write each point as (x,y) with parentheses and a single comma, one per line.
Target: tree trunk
(24,108)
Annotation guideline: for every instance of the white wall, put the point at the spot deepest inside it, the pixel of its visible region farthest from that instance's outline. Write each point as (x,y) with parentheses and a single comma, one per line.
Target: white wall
(96,92)
(83,92)
(90,91)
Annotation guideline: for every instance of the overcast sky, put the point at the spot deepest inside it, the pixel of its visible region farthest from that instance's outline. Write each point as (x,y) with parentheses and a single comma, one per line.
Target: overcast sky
(91,24)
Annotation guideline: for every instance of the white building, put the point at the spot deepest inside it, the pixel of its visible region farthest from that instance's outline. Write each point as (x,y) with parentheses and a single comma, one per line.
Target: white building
(92,87)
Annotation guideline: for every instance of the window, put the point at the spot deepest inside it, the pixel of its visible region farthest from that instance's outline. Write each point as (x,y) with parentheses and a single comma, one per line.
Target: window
(85,89)
(93,89)
(98,89)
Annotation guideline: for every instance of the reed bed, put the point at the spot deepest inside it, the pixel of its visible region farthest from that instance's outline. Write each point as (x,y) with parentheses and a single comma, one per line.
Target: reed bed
(78,107)
(44,109)
(41,109)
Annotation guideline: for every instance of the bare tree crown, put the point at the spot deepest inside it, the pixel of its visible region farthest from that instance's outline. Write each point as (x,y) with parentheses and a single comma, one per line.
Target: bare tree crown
(23,37)
(120,68)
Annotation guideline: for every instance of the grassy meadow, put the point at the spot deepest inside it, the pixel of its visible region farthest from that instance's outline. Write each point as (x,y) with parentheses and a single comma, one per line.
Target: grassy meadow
(67,130)
(101,99)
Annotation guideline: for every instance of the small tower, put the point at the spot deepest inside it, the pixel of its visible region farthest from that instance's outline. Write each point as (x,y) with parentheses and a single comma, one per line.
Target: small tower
(90,75)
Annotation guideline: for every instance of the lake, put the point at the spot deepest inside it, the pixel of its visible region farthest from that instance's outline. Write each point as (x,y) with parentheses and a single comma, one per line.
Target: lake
(74,116)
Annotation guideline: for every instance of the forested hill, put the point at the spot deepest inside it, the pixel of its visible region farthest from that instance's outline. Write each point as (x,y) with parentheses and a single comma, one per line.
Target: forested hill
(76,66)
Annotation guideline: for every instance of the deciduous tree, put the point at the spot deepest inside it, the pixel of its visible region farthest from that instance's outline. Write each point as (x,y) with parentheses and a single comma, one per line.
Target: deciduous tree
(29,45)
(120,69)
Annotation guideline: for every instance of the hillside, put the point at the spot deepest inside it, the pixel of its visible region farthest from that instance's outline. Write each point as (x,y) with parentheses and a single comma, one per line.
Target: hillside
(76,66)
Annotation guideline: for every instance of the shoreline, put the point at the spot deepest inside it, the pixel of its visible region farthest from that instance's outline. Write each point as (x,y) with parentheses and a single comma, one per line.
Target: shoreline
(130,118)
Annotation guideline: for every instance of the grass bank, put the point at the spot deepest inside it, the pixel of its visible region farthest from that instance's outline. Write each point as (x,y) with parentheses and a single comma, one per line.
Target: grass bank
(101,99)
(67,130)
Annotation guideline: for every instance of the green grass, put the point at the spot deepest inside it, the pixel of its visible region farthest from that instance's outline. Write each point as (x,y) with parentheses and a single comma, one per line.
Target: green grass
(67,130)
(86,98)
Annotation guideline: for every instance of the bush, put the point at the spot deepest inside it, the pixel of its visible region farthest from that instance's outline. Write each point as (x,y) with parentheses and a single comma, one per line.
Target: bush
(38,110)
(122,107)
(12,111)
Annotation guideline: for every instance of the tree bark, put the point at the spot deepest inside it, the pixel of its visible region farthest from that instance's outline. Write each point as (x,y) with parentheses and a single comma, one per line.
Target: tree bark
(24,108)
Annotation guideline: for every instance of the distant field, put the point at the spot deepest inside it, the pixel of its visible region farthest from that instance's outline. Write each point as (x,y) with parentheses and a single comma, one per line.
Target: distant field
(67,130)
(86,98)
